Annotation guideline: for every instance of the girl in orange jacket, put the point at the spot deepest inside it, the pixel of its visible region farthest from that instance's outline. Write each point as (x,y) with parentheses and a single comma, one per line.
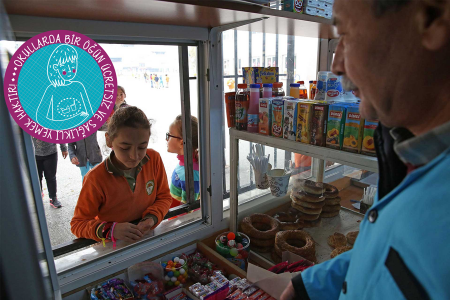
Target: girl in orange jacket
(130,184)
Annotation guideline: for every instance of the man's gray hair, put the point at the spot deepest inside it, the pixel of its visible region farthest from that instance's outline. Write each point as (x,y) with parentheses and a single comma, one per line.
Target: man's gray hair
(382,6)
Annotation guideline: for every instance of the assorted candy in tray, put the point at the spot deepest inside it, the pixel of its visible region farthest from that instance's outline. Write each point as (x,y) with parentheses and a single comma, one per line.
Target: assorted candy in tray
(175,271)
(113,289)
(200,269)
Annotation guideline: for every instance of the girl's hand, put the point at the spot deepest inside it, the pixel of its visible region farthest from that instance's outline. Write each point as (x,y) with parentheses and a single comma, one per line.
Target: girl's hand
(75,161)
(127,232)
(146,225)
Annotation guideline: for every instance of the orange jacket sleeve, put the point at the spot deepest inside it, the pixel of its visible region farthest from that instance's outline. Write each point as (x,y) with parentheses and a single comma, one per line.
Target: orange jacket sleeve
(163,199)
(84,222)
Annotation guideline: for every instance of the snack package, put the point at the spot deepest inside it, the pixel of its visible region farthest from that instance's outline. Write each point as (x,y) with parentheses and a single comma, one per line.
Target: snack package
(368,143)
(260,75)
(256,295)
(336,126)
(304,115)
(319,124)
(293,6)
(265,116)
(290,119)
(277,117)
(113,289)
(353,131)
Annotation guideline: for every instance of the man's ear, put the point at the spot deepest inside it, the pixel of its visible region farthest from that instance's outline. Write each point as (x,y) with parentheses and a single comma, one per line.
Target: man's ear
(434,23)
(55,67)
(108,140)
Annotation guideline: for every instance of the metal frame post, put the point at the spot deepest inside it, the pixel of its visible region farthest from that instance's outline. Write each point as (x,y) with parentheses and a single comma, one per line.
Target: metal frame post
(186,119)
(234,166)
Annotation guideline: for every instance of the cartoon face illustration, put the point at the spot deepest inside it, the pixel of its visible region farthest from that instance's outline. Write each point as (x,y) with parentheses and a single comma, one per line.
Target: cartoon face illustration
(62,65)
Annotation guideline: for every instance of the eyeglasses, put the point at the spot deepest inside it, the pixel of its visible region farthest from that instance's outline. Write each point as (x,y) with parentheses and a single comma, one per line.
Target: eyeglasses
(168,135)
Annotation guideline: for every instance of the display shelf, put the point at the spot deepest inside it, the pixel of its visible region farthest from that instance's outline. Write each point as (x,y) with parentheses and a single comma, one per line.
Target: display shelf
(360,161)
(195,13)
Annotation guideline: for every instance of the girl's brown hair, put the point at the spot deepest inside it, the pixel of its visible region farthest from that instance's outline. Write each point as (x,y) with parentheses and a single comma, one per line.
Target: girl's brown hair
(130,116)
(178,123)
(121,88)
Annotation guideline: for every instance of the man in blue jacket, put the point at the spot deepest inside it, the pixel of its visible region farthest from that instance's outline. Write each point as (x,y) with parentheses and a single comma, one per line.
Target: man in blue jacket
(397,54)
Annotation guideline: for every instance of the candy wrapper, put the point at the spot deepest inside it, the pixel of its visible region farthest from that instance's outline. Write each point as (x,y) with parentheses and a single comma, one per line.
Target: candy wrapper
(113,289)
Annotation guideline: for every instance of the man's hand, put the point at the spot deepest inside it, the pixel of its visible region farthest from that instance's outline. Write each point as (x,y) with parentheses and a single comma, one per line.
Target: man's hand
(289,292)
(64,154)
(75,161)
(146,225)
(127,232)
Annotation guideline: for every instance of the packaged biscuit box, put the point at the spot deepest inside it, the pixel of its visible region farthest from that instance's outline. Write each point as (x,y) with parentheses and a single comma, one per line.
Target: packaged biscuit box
(277,117)
(290,119)
(304,115)
(318,124)
(336,125)
(260,75)
(265,116)
(368,143)
(353,132)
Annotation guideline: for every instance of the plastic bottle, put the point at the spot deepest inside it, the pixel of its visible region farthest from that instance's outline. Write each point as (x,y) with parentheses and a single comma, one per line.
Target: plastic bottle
(267,93)
(253,108)
(334,88)
(303,92)
(241,105)
(277,90)
(313,90)
(261,90)
(309,89)
(321,85)
(294,90)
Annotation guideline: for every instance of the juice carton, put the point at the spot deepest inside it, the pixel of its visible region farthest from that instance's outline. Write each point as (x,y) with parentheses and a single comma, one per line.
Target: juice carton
(260,75)
(353,132)
(265,116)
(368,143)
(277,117)
(336,125)
(303,121)
(318,125)
(290,119)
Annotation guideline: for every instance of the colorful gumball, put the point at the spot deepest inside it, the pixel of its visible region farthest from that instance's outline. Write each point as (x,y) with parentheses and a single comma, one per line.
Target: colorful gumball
(223,240)
(182,261)
(176,259)
(239,246)
(168,269)
(231,243)
(233,252)
(183,280)
(169,263)
(174,269)
(180,277)
(170,283)
(176,273)
(170,274)
(182,271)
(167,278)
(239,256)
(244,254)
(238,238)
(178,265)
(177,283)
(185,275)
(173,279)
(231,236)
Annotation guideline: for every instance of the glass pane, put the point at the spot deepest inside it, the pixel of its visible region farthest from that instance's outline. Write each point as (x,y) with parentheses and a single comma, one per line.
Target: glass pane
(282,53)
(257,49)
(149,75)
(228,52)
(305,59)
(242,50)
(271,50)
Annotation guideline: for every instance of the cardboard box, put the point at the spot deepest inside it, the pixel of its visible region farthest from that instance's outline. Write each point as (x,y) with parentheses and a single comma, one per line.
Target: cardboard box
(277,117)
(290,119)
(265,116)
(336,126)
(309,10)
(354,125)
(303,121)
(273,284)
(368,143)
(260,75)
(318,125)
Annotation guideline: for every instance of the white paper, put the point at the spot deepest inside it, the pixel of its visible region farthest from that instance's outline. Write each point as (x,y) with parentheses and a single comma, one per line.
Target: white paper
(357,205)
